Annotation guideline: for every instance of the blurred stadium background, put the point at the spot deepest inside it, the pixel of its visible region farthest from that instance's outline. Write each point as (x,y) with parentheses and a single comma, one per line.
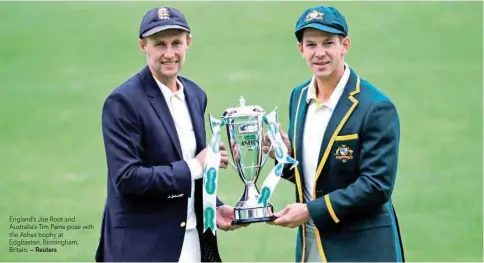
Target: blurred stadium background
(59,60)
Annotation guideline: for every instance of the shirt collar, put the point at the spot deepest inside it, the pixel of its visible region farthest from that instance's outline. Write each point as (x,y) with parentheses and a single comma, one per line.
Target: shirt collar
(333,99)
(167,93)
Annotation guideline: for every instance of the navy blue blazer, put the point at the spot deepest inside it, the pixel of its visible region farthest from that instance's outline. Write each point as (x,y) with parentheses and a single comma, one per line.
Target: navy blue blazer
(148,181)
(351,207)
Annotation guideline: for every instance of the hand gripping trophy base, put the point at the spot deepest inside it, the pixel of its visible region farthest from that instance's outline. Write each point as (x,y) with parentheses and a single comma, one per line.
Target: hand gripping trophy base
(247,210)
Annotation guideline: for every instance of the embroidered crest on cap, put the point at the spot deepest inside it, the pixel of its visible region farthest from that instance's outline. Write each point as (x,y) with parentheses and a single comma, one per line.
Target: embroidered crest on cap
(163,13)
(314,15)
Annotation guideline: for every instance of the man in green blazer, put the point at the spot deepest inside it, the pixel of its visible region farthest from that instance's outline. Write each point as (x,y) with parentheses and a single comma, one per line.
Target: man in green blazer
(345,134)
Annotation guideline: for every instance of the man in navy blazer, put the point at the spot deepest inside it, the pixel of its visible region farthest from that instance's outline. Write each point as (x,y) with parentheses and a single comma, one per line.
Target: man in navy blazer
(345,134)
(154,136)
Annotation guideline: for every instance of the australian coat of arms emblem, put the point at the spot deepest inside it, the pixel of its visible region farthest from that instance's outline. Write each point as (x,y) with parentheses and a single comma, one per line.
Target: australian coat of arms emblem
(344,153)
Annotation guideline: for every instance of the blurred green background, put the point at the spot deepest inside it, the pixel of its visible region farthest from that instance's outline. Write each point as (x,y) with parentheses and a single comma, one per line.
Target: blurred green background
(59,60)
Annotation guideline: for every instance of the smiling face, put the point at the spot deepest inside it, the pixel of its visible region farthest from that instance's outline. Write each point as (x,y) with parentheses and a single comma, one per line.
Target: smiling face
(324,52)
(165,52)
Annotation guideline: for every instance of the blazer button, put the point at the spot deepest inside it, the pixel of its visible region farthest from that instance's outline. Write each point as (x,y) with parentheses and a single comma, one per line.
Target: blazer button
(182,224)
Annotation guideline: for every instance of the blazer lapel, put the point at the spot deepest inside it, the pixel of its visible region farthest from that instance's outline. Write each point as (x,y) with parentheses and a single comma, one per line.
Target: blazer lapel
(158,102)
(301,110)
(345,106)
(196,116)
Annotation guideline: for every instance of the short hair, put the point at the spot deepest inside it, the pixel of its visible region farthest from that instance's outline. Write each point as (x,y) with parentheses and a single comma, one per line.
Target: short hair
(300,34)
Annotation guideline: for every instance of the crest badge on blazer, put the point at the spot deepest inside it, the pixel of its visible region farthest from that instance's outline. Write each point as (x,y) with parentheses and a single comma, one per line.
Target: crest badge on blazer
(344,153)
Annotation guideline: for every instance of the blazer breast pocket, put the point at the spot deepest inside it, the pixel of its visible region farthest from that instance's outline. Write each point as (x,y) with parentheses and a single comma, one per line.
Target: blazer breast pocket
(345,152)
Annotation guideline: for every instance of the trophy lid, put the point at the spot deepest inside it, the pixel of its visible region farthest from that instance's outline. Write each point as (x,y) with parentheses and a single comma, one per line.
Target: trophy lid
(242,101)
(243,110)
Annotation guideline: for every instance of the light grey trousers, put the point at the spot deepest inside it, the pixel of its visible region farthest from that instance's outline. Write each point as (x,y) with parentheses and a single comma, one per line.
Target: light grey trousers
(312,252)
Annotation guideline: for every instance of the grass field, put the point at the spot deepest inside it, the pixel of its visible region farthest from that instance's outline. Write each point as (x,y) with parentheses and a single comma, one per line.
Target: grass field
(58,61)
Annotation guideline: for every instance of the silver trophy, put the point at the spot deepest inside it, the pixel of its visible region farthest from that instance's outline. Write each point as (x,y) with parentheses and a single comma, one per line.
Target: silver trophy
(244,126)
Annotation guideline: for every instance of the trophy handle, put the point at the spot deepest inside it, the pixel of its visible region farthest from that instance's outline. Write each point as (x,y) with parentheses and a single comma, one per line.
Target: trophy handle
(231,160)
(266,157)
(233,165)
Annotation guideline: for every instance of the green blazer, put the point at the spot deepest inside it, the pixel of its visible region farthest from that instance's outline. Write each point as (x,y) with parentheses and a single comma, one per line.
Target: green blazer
(355,178)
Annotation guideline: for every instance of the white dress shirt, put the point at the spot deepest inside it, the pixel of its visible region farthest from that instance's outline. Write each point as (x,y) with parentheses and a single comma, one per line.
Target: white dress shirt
(317,118)
(181,116)
(183,123)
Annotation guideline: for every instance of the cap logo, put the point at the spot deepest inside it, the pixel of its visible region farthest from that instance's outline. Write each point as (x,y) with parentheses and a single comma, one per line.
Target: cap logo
(163,13)
(314,15)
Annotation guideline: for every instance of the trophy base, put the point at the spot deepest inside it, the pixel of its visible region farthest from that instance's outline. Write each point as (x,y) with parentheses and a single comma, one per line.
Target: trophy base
(247,215)
(253,220)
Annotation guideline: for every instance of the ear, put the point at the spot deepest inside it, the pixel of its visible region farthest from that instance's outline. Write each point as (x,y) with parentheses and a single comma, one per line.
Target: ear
(300,48)
(189,40)
(142,45)
(346,45)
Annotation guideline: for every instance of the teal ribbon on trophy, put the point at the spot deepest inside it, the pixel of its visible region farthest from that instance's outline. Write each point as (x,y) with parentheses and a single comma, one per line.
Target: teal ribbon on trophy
(210,177)
(282,157)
